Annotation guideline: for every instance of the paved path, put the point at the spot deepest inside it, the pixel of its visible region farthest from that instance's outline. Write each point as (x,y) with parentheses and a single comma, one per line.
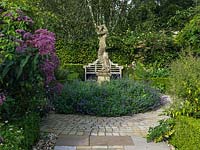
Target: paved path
(82,132)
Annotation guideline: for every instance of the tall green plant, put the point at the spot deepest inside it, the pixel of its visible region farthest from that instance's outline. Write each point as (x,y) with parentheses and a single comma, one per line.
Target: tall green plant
(185,74)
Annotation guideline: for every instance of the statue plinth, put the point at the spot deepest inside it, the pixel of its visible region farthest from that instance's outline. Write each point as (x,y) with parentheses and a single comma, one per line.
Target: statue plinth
(103,76)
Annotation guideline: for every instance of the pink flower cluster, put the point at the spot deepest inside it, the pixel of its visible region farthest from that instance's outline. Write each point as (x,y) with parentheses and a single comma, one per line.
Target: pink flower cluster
(44,41)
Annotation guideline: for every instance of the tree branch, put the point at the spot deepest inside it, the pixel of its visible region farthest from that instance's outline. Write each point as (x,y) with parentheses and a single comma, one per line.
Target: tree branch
(91,13)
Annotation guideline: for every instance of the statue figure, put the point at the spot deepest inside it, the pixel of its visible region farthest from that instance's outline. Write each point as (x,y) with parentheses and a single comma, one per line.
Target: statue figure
(102,32)
(105,63)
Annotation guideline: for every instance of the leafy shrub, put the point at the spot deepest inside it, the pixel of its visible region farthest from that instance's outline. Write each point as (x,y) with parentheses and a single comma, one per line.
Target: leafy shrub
(154,75)
(184,86)
(118,97)
(187,134)
(20,135)
(27,62)
(160,83)
(11,137)
(70,72)
(189,35)
(181,18)
(162,132)
(31,129)
(182,132)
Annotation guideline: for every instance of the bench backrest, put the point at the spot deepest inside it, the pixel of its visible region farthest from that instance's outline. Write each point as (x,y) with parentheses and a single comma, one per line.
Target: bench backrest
(92,68)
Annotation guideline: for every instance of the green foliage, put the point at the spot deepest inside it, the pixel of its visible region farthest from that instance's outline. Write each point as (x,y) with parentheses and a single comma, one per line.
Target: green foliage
(8,109)
(21,134)
(189,38)
(168,9)
(184,86)
(182,132)
(20,77)
(146,72)
(80,52)
(181,18)
(157,48)
(70,72)
(162,132)
(31,126)
(148,48)
(154,75)
(23,81)
(118,97)
(7,29)
(12,137)
(187,134)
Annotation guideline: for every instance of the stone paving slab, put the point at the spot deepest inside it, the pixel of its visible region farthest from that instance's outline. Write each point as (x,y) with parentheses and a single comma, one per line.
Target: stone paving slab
(79,125)
(141,144)
(65,140)
(64,148)
(110,140)
(136,126)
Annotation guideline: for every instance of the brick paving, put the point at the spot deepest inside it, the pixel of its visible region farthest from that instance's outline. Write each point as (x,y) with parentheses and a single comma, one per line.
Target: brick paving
(88,126)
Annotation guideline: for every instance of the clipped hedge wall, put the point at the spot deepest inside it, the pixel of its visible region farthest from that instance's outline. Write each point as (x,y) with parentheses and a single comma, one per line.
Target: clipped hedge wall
(80,52)
(148,48)
(116,98)
(187,134)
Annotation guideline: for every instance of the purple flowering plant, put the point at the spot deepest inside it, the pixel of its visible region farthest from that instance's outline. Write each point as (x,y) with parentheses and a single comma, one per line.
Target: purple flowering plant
(44,42)
(27,63)
(2,98)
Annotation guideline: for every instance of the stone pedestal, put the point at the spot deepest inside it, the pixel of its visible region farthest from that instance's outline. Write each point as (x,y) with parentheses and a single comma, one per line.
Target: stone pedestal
(103,76)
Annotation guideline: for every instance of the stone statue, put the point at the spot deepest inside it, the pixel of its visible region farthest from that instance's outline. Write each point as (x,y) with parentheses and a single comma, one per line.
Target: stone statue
(102,32)
(105,63)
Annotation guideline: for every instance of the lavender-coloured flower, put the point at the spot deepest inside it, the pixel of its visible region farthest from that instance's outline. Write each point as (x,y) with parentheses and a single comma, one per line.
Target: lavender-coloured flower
(9,14)
(27,19)
(27,36)
(2,98)
(44,41)
(57,88)
(21,48)
(20,31)
(48,69)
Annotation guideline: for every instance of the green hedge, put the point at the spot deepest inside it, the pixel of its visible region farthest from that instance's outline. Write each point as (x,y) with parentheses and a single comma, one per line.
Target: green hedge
(70,72)
(118,97)
(182,132)
(148,48)
(187,134)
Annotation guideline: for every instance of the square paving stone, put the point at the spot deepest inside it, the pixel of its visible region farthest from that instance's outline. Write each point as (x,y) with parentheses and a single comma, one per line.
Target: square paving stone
(84,148)
(67,140)
(64,148)
(110,140)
